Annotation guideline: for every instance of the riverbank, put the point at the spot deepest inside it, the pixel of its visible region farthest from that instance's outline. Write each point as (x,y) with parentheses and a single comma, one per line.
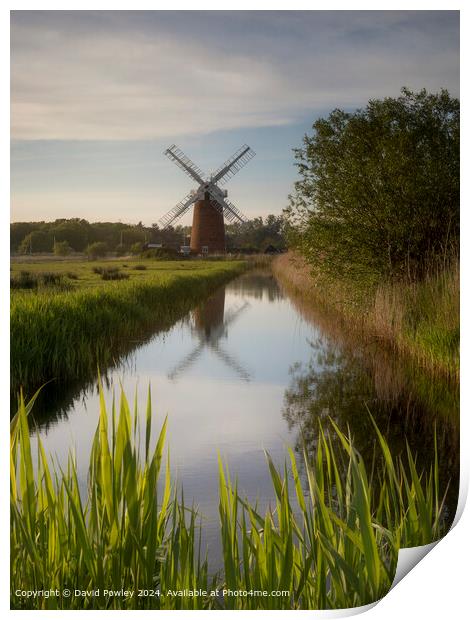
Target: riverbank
(65,332)
(420,319)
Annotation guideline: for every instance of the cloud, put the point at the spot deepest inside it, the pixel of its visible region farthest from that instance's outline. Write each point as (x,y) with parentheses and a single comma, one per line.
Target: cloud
(133,76)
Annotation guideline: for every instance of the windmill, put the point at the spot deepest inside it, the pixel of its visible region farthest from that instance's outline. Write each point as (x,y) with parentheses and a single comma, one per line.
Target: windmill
(210,326)
(210,201)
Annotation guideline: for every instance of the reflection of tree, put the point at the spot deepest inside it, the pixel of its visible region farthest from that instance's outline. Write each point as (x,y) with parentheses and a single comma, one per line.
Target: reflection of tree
(340,386)
(259,284)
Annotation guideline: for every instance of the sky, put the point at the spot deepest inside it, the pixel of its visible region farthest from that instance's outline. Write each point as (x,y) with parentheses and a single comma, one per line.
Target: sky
(96,97)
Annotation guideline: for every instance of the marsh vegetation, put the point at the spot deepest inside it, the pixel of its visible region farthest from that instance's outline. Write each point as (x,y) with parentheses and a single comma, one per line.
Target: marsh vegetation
(330,543)
(65,334)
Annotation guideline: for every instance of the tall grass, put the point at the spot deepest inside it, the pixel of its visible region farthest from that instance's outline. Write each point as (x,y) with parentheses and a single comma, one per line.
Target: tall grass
(66,335)
(424,317)
(419,318)
(125,530)
(329,540)
(334,544)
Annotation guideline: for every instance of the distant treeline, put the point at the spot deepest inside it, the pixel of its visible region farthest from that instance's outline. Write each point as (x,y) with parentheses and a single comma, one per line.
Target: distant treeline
(65,235)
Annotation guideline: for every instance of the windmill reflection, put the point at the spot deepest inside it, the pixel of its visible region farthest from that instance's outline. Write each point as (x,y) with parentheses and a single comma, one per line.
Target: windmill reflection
(211,324)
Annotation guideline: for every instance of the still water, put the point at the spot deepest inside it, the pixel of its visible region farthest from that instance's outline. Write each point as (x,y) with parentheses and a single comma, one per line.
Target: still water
(251,370)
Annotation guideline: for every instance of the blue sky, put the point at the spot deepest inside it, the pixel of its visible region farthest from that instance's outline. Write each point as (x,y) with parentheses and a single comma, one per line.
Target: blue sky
(98,96)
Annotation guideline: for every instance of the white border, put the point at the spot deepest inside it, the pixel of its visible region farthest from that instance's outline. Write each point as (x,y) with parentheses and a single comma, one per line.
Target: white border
(438,587)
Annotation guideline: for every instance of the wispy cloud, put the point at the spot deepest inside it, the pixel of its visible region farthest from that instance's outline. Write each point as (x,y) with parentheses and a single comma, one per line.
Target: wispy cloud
(134,76)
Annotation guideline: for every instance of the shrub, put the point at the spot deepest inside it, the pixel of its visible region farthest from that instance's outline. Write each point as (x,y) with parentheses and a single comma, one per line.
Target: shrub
(110,273)
(62,248)
(96,250)
(136,248)
(51,279)
(36,241)
(140,267)
(162,254)
(25,280)
(121,249)
(33,281)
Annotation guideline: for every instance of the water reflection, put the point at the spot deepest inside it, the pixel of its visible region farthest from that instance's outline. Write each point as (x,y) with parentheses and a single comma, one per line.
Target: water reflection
(259,284)
(210,326)
(348,384)
(251,369)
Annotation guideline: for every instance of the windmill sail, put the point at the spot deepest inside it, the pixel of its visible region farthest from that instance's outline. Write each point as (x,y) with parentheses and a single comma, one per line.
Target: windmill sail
(235,163)
(210,326)
(208,186)
(189,167)
(231,213)
(228,209)
(176,213)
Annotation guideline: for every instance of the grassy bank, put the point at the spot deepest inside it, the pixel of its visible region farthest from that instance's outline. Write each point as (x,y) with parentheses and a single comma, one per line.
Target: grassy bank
(328,541)
(419,319)
(65,334)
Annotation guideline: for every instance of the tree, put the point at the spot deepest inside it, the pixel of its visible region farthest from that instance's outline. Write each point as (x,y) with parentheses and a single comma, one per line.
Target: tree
(77,233)
(18,231)
(378,193)
(96,250)
(62,248)
(121,249)
(36,241)
(136,248)
(256,235)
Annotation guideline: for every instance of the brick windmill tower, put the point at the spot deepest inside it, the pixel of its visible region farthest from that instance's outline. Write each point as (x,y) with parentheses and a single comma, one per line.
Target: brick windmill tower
(210,201)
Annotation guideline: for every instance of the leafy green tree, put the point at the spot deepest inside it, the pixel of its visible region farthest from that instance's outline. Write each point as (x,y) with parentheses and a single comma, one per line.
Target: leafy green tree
(77,233)
(36,241)
(62,248)
(121,249)
(255,235)
(137,248)
(18,231)
(378,193)
(96,250)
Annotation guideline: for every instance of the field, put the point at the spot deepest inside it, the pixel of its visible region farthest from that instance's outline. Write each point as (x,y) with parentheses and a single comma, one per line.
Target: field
(81,274)
(68,318)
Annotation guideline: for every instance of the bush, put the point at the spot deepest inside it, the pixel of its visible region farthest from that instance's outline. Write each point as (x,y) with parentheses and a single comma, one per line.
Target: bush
(140,267)
(110,273)
(378,193)
(51,279)
(96,250)
(136,248)
(62,248)
(162,254)
(33,281)
(24,280)
(36,241)
(121,250)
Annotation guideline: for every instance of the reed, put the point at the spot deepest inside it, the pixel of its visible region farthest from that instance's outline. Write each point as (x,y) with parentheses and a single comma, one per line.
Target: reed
(65,335)
(335,543)
(418,318)
(125,529)
(329,540)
